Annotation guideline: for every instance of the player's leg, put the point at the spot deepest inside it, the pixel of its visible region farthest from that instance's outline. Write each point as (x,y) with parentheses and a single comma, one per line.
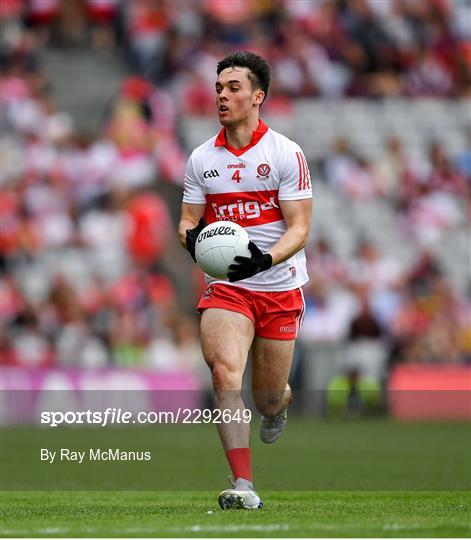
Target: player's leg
(226,337)
(270,372)
(271,360)
(278,319)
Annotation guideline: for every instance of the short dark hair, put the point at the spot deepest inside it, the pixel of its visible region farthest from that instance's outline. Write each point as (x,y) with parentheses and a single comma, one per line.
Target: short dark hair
(260,71)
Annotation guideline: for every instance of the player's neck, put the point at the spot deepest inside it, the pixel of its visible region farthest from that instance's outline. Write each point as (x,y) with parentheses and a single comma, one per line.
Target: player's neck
(240,136)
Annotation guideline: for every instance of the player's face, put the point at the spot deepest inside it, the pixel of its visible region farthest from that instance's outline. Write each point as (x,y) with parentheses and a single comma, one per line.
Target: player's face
(236,100)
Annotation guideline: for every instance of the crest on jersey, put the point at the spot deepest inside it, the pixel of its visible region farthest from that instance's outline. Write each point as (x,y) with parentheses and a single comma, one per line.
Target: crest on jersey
(263,170)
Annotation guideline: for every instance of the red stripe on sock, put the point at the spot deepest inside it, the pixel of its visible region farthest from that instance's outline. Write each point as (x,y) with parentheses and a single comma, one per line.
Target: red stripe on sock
(240,463)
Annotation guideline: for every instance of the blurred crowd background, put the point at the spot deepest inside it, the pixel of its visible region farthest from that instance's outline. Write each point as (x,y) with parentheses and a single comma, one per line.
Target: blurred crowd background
(377,92)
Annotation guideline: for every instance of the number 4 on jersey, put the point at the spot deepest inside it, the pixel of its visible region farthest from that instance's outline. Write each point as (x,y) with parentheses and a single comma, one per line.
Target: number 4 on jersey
(236,176)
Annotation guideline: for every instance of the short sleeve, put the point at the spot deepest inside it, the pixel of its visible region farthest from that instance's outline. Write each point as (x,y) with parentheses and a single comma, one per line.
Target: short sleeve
(295,179)
(193,191)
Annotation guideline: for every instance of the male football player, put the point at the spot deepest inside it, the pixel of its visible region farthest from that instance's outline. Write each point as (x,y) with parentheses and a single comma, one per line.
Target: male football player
(259,179)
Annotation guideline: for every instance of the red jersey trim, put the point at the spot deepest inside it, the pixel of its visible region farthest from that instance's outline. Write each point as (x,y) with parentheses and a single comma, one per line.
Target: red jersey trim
(303,169)
(307,178)
(221,139)
(300,171)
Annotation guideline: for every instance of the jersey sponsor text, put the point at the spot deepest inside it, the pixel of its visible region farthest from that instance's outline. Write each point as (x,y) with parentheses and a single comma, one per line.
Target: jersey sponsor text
(248,209)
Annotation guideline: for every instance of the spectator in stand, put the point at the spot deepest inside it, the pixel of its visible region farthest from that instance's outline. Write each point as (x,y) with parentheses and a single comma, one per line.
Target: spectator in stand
(444,176)
(431,214)
(11,301)
(101,15)
(366,349)
(29,347)
(148,227)
(42,14)
(354,176)
(102,234)
(156,140)
(372,270)
(177,346)
(463,161)
(328,313)
(324,266)
(147,24)
(326,47)
(127,340)
(92,198)
(391,168)
(432,321)
(134,140)
(428,75)
(364,324)
(339,164)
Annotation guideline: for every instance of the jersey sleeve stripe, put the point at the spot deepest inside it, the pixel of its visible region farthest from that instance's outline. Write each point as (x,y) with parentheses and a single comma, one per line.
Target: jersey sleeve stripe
(300,170)
(308,175)
(304,171)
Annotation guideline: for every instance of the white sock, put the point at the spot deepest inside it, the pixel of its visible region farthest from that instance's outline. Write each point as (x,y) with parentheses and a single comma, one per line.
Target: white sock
(242,483)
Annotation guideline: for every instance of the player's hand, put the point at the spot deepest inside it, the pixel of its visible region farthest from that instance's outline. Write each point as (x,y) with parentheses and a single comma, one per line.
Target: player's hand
(249,266)
(192,235)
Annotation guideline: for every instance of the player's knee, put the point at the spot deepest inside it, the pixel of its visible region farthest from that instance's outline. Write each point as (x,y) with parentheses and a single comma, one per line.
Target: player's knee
(225,377)
(267,403)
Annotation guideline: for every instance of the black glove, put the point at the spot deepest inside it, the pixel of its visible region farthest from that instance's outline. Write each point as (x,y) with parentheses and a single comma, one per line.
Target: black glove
(192,235)
(249,266)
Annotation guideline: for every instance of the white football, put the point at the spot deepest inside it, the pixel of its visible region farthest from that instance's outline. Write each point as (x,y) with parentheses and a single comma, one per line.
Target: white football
(218,244)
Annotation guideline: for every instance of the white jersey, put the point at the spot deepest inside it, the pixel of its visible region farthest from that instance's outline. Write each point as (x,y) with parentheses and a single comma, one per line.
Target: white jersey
(245,186)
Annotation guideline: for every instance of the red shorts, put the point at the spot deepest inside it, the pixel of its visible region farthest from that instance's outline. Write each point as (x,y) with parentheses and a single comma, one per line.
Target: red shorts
(275,315)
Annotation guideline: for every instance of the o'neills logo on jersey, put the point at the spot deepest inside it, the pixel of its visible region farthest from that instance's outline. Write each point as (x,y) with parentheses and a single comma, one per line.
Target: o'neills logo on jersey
(236,166)
(246,208)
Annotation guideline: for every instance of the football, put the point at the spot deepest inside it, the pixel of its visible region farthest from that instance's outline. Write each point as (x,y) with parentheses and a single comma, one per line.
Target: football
(218,244)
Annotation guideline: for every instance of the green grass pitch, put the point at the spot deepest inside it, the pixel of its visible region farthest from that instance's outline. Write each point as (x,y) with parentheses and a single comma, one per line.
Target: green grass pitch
(195,514)
(372,478)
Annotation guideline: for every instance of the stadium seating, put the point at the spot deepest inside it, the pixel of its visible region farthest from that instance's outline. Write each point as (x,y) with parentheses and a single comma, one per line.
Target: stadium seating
(413,220)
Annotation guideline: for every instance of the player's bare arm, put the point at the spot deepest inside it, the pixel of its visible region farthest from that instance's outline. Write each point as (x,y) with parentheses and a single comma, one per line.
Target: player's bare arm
(189,219)
(191,224)
(297,215)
